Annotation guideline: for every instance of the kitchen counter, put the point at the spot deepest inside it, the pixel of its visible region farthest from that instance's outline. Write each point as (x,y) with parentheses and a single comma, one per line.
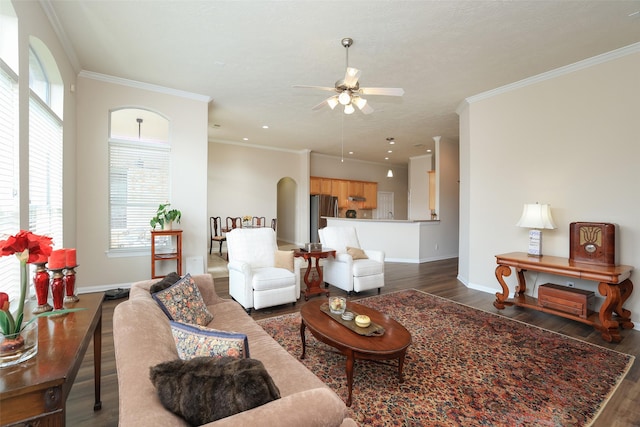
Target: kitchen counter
(414,241)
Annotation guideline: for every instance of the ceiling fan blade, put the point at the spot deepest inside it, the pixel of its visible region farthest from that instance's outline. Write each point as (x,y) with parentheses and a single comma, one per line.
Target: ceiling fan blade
(390,91)
(367,109)
(332,101)
(351,77)
(331,89)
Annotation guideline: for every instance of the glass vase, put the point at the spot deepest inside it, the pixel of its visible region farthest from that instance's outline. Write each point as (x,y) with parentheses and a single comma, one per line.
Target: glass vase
(19,348)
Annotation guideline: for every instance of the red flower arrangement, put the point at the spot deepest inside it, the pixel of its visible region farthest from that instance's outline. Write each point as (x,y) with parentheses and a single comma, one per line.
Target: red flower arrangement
(28,248)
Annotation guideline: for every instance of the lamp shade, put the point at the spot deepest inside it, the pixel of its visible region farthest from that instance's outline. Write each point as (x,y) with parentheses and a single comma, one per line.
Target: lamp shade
(389,173)
(538,216)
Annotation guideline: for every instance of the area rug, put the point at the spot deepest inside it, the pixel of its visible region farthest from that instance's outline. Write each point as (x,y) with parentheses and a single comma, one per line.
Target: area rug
(466,367)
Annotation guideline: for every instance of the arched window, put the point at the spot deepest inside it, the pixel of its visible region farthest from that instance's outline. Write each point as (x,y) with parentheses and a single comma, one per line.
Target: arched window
(139,154)
(45,143)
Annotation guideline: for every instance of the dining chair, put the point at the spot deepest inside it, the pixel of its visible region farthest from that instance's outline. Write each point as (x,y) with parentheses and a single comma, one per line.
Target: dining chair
(215,226)
(233,223)
(274,223)
(258,221)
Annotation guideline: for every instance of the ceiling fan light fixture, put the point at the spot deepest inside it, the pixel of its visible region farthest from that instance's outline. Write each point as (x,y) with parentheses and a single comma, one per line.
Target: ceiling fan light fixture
(348,109)
(332,102)
(345,97)
(360,102)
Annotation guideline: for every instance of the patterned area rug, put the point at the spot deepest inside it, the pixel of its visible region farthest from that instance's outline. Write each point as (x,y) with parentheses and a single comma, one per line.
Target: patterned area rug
(466,367)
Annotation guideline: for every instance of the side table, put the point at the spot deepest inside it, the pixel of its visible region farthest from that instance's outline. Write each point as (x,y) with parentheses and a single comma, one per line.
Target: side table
(314,283)
(177,255)
(35,392)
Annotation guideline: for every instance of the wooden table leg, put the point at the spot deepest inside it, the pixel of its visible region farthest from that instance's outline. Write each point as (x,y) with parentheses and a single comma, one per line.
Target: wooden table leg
(307,282)
(400,366)
(320,278)
(502,271)
(303,338)
(349,369)
(97,360)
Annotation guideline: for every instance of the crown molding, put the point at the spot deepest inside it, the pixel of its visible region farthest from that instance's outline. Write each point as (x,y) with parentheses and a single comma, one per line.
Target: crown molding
(144,86)
(261,147)
(567,69)
(369,162)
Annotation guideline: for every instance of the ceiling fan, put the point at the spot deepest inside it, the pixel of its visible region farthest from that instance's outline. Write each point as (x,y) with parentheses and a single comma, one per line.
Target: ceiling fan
(348,90)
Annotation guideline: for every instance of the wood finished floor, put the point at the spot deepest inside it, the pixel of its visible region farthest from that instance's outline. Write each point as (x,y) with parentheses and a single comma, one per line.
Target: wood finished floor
(438,278)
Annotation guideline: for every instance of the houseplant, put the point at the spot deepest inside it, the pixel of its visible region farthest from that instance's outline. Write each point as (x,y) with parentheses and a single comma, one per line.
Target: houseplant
(165,217)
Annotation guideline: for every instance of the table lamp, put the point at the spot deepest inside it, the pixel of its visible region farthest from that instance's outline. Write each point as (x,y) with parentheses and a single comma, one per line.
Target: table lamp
(536,217)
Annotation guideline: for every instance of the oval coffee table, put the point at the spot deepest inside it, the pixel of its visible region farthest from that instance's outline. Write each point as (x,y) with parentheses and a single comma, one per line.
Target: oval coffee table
(392,344)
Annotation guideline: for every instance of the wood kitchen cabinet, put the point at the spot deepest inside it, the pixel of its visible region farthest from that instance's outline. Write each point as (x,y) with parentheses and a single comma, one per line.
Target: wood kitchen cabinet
(314,185)
(370,192)
(340,189)
(356,188)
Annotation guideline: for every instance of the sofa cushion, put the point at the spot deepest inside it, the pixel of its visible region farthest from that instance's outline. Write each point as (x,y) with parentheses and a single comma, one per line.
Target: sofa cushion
(356,253)
(284,259)
(182,302)
(367,267)
(165,282)
(202,390)
(195,341)
(272,278)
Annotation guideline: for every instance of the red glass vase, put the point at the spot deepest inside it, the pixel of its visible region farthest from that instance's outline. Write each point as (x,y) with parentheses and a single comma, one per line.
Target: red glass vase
(70,285)
(41,285)
(57,289)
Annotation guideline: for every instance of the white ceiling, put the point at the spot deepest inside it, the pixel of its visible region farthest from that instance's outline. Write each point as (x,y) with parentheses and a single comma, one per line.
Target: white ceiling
(246,55)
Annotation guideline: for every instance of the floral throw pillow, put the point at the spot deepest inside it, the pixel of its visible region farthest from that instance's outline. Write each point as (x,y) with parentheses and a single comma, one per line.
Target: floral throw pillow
(198,341)
(183,302)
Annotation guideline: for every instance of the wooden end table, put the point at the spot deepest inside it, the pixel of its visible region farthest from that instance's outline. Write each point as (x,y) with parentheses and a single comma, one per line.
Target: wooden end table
(314,284)
(614,284)
(35,392)
(391,345)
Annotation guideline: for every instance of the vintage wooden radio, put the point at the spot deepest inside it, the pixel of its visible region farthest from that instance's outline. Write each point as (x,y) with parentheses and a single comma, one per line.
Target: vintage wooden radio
(592,242)
(578,302)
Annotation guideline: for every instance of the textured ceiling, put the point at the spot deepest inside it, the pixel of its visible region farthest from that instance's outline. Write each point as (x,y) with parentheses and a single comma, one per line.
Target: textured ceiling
(246,55)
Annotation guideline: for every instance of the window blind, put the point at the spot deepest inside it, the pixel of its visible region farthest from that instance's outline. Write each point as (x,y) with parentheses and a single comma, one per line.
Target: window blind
(138,182)
(9,200)
(45,171)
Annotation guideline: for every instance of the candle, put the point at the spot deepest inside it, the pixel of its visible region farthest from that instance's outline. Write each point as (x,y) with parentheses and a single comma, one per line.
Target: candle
(71,258)
(58,259)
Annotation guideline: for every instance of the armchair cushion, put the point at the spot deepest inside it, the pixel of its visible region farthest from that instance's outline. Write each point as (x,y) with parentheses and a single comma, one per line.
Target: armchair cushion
(196,341)
(356,253)
(284,259)
(272,278)
(183,302)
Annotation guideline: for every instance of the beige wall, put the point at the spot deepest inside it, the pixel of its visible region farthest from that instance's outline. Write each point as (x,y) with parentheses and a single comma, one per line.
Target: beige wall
(243,180)
(419,185)
(97,95)
(569,139)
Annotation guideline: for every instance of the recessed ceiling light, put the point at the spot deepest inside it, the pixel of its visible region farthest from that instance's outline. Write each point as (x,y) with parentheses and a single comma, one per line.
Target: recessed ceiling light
(265,127)
(389,151)
(391,140)
(386,158)
(428,151)
(350,152)
(245,139)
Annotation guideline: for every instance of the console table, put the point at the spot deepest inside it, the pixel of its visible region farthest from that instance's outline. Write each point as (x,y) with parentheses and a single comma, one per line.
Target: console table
(35,392)
(614,285)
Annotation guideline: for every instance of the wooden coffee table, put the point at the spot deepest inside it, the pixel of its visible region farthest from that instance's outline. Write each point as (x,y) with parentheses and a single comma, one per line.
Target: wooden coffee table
(392,344)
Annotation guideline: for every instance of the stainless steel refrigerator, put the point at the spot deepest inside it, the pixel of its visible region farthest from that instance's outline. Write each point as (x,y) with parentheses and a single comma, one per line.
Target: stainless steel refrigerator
(321,205)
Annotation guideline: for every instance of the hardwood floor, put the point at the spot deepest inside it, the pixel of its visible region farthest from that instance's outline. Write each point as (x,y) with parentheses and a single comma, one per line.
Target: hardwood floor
(438,278)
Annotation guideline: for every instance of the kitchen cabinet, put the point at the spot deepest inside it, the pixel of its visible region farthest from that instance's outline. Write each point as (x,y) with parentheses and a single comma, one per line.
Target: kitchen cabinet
(370,192)
(325,185)
(340,189)
(356,188)
(314,185)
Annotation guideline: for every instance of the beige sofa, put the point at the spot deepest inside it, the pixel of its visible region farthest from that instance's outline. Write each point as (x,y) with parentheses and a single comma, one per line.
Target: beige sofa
(142,339)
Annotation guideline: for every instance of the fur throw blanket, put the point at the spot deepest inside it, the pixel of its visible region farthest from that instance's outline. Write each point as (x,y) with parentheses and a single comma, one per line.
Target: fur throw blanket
(204,389)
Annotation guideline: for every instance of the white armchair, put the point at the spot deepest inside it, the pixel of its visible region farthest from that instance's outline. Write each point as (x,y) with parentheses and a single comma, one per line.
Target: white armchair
(344,271)
(259,274)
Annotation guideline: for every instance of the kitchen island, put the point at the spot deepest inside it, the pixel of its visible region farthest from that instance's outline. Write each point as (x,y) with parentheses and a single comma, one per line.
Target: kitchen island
(402,240)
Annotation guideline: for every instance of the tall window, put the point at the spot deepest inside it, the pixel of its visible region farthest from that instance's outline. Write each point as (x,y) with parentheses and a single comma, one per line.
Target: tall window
(45,146)
(139,153)
(9,166)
